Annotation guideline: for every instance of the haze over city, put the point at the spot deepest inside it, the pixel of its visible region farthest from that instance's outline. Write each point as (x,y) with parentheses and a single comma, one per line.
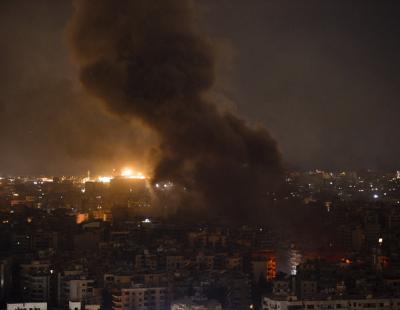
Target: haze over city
(199,155)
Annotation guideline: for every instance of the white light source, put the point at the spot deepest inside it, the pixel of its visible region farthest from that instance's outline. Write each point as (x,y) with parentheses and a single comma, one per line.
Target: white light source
(132,174)
(126,172)
(104,179)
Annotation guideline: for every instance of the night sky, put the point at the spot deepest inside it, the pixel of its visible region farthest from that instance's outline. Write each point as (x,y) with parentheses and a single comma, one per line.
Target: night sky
(322,76)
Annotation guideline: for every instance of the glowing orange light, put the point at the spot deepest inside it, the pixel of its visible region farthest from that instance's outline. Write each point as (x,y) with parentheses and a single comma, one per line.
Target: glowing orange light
(131,174)
(81,217)
(104,179)
(126,172)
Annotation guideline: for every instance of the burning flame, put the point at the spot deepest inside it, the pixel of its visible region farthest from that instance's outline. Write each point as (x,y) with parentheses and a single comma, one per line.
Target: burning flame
(125,172)
(131,174)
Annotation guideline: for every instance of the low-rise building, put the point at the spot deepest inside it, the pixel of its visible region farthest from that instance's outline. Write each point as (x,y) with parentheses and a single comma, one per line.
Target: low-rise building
(293,303)
(28,306)
(189,304)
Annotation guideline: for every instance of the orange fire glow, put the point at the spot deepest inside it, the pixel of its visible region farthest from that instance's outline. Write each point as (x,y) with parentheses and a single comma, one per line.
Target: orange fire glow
(132,174)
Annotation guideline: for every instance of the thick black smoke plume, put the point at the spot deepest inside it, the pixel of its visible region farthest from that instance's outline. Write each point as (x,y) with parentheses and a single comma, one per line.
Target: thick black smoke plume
(147,60)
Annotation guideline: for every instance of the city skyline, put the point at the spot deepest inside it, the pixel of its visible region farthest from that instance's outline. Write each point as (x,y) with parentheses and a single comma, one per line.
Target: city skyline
(199,155)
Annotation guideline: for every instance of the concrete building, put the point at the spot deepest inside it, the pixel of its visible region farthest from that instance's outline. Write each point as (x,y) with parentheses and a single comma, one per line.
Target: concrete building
(77,305)
(73,286)
(37,287)
(292,303)
(111,280)
(141,298)
(308,288)
(146,261)
(281,287)
(28,306)
(35,281)
(393,284)
(81,289)
(189,304)
(263,264)
(175,262)
(63,283)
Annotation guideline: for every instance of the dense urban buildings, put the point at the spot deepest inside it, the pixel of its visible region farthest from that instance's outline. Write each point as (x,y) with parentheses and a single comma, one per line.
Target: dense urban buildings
(225,213)
(100,242)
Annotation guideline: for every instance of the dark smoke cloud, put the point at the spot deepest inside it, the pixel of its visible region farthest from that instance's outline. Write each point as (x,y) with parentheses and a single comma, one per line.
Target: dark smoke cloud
(47,124)
(147,60)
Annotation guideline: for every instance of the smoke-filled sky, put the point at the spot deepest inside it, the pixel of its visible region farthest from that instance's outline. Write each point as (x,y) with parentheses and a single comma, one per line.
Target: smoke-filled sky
(322,76)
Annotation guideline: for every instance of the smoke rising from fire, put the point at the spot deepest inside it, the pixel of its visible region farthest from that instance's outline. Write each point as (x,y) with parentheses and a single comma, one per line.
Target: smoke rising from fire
(147,60)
